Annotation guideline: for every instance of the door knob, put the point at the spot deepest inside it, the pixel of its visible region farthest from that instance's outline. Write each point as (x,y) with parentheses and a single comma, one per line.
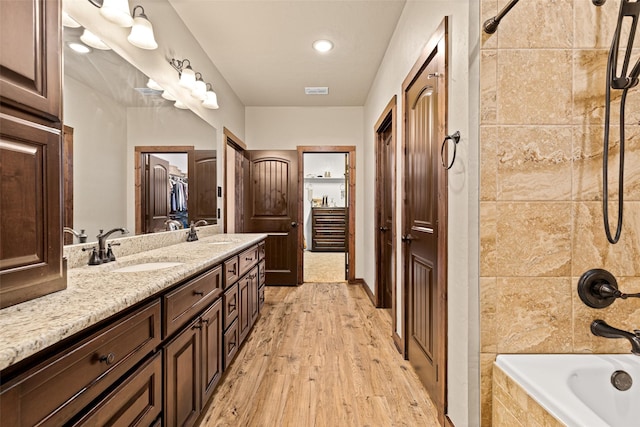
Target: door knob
(407,238)
(294,224)
(383,229)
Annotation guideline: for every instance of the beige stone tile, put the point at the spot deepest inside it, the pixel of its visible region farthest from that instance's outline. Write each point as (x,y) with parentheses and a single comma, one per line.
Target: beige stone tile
(534,87)
(488,236)
(534,315)
(488,299)
(502,417)
(486,385)
(534,163)
(537,416)
(590,246)
(622,314)
(589,83)
(533,239)
(488,162)
(537,24)
(488,86)
(488,9)
(594,26)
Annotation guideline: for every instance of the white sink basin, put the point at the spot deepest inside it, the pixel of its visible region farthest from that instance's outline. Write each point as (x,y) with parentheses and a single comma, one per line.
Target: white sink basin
(147,266)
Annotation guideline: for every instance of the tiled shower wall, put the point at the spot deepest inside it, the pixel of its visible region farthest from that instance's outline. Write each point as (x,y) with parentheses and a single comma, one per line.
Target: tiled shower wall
(542,115)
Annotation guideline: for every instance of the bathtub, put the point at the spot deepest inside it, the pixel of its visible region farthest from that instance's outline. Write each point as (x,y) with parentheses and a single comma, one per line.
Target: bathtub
(576,388)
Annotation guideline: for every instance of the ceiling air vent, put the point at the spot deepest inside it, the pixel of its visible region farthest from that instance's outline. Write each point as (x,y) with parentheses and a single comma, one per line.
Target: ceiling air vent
(145,91)
(316,90)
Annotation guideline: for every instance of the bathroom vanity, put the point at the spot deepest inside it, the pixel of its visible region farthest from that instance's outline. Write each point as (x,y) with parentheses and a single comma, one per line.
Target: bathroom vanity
(143,340)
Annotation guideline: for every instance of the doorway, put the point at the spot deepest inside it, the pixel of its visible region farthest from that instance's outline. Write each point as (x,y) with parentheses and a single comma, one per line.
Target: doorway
(424,219)
(327,212)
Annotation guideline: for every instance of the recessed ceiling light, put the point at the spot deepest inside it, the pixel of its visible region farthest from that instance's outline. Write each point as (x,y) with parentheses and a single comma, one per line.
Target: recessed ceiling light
(79,47)
(323,46)
(316,90)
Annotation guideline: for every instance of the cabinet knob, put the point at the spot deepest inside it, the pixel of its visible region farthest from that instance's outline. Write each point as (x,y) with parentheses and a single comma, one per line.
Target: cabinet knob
(108,359)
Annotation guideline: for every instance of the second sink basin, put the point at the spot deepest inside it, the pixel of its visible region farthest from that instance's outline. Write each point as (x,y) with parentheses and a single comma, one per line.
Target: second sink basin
(146,266)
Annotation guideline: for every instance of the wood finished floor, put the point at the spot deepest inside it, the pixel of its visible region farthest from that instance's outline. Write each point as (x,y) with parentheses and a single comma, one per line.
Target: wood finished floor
(320,355)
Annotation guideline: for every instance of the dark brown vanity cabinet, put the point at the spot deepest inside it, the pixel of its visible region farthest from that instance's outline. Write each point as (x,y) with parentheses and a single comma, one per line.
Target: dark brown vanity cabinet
(31,262)
(54,391)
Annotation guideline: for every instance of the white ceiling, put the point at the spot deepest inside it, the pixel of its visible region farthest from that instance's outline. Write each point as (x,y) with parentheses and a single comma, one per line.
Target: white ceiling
(263,47)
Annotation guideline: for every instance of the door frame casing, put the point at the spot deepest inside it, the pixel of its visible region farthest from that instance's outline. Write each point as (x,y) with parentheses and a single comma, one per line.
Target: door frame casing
(387,120)
(437,43)
(351,193)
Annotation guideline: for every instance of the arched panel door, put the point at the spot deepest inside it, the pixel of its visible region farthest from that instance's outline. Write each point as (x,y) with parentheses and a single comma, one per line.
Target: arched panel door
(271,207)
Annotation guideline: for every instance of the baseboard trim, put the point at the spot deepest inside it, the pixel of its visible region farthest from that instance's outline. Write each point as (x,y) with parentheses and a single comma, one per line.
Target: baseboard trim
(365,287)
(398,343)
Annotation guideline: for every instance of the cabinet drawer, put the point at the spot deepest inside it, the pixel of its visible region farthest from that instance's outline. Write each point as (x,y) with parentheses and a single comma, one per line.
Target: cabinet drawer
(136,402)
(247,259)
(261,250)
(57,389)
(186,301)
(231,343)
(231,272)
(230,305)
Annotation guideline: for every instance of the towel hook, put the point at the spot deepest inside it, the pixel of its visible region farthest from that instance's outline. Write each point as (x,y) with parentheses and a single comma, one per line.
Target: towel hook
(455,138)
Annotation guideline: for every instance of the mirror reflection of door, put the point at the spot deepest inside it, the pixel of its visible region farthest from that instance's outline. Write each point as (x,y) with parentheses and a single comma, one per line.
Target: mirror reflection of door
(165,191)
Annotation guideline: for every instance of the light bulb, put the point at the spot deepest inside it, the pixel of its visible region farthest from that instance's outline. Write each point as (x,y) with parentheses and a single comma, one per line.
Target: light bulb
(117,11)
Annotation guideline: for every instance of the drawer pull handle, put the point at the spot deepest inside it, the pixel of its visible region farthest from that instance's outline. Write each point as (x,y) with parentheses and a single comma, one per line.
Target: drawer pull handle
(231,307)
(197,326)
(108,359)
(248,258)
(232,344)
(205,321)
(199,293)
(232,271)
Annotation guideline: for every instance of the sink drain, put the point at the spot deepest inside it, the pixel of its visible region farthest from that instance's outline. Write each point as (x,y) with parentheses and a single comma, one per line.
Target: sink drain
(621,380)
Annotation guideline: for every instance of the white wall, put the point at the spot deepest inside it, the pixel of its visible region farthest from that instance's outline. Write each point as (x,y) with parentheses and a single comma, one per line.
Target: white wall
(418,22)
(285,128)
(99,149)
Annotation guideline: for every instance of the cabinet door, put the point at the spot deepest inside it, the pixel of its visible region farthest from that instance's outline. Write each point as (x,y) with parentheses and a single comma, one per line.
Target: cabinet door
(30,212)
(182,377)
(211,349)
(253,294)
(244,316)
(30,57)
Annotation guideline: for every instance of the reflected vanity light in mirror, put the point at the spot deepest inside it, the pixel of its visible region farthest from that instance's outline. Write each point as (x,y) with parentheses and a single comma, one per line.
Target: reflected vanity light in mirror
(152,84)
(166,95)
(179,104)
(142,31)
(117,11)
(68,21)
(92,40)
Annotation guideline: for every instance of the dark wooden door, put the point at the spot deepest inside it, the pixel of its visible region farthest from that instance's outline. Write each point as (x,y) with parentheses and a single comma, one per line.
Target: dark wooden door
(157,193)
(203,197)
(211,349)
(425,223)
(271,207)
(385,182)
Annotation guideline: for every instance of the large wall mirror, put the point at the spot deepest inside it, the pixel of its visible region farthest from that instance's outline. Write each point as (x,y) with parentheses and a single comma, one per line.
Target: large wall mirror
(115,126)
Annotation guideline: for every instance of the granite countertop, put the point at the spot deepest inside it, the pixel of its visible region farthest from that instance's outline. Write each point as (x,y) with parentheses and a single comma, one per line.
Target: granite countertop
(95,293)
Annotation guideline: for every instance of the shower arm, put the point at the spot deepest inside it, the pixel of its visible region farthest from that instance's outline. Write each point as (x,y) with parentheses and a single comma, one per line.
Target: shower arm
(490,26)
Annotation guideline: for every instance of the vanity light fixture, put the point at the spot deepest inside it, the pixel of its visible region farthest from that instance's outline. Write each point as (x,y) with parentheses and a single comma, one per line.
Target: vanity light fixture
(117,11)
(181,105)
(151,84)
(323,46)
(166,95)
(92,40)
(199,88)
(211,100)
(187,75)
(142,31)
(68,21)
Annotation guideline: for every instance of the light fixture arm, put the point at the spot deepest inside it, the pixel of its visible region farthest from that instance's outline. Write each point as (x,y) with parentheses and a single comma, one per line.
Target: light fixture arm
(142,14)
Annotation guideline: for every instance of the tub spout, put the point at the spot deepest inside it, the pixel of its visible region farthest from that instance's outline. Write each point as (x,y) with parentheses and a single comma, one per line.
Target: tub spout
(600,328)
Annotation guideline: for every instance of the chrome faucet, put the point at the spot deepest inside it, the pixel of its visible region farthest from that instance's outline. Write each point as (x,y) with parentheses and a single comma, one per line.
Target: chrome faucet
(600,328)
(201,222)
(102,238)
(172,224)
(82,238)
